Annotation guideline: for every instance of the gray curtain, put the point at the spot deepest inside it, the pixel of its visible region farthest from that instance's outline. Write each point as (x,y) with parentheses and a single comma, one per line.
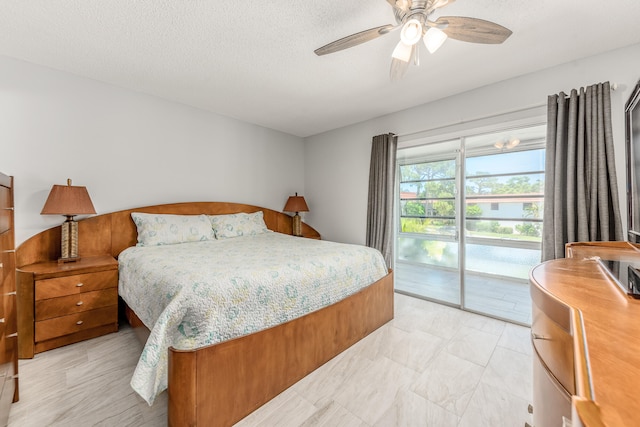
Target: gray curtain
(382,174)
(581,191)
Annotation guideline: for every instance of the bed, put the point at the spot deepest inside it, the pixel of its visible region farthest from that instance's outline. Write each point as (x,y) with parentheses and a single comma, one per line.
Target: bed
(221,383)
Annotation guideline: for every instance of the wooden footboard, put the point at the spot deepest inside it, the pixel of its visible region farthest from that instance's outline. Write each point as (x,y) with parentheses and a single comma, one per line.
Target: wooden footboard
(220,384)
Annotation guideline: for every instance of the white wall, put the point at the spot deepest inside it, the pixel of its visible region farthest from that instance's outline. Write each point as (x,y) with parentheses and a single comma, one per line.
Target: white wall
(337,162)
(130,149)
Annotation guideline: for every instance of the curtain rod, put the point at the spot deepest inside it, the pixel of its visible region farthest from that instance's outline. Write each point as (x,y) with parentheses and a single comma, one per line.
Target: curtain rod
(614,86)
(475,119)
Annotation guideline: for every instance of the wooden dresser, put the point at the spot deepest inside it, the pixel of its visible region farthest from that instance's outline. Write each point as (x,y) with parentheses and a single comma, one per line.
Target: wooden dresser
(586,340)
(8,325)
(65,303)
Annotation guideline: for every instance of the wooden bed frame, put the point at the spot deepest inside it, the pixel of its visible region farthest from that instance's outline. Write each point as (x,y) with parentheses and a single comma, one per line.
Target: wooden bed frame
(218,385)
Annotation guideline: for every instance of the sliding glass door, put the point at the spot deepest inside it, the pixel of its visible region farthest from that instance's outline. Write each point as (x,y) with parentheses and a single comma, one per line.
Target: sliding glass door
(504,193)
(428,239)
(470,220)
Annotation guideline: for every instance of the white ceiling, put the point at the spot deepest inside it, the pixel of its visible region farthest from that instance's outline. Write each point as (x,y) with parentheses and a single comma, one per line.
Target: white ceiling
(255,61)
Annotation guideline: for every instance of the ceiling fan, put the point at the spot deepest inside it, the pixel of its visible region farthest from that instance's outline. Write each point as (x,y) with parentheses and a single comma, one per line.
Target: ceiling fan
(412,18)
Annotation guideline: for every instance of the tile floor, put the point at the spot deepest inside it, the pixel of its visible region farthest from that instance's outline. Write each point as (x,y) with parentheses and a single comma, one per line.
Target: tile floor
(431,366)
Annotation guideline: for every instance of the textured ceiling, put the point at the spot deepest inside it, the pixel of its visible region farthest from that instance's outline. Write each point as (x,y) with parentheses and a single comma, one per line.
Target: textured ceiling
(255,61)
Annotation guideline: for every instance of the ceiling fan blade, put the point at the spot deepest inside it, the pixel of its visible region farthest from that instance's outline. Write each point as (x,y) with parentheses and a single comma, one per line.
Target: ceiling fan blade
(473,30)
(399,67)
(402,5)
(355,39)
(437,4)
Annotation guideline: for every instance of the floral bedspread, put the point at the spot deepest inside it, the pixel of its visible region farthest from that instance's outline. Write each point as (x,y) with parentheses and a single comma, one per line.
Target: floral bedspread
(199,293)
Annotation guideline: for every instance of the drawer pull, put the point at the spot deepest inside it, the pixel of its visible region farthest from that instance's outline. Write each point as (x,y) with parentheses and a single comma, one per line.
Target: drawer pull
(1,265)
(13,335)
(11,293)
(79,303)
(79,322)
(79,285)
(540,337)
(2,320)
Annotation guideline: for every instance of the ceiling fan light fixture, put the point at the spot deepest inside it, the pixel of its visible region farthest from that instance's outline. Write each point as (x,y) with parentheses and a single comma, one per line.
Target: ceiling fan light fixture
(411,32)
(412,19)
(434,38)
(402,52)
(513,142)
(507,143)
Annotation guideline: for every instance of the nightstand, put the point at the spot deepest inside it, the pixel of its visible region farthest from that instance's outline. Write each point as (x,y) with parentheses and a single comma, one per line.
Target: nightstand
(63,303)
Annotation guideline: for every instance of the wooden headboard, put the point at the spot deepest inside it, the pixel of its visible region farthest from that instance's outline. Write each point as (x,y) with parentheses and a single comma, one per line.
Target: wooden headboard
(112,233)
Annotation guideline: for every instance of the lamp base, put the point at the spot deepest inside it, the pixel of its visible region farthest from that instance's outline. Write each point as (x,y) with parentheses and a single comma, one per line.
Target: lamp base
(296,225)
(69,241)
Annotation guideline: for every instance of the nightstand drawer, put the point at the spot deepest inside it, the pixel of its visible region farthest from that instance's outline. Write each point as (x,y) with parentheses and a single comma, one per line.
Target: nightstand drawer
(75,284)
(85,301)
(59,326)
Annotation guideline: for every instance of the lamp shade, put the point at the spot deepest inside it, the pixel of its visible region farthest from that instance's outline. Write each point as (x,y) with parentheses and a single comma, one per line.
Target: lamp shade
(68,200)
(296,204)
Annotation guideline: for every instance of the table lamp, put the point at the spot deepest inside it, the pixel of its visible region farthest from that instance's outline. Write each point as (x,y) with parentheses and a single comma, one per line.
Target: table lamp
(69,201)
(296,204)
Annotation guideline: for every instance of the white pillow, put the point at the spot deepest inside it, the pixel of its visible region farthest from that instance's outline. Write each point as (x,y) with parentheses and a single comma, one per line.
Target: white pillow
(165,229)
(240,224)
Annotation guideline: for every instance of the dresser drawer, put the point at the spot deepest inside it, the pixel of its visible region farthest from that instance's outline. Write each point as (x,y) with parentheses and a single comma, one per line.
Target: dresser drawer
(8,320)
(8,347)
(552,338)
(550,399)
(6,214)
(75,284)
(84,301)
(64,325)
